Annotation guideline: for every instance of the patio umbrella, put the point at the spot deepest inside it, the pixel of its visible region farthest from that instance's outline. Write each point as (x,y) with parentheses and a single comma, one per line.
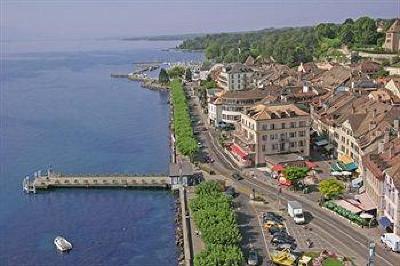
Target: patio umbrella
(366,215)
(384,222)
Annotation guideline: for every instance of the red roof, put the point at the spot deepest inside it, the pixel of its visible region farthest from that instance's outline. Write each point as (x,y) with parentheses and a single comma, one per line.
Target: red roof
(311,165)
(278,168)
(238,150)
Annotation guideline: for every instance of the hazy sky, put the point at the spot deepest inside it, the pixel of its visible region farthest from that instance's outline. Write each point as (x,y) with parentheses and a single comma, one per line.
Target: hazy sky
(47,19)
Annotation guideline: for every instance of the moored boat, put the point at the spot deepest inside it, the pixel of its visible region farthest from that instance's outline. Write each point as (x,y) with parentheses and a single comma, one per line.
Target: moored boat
(62,244)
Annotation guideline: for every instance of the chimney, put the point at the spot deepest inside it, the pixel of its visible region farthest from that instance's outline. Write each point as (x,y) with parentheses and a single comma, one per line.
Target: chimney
(386,136)
(391,151)
(305,88)
(396,125)
(371,125)
(381,147)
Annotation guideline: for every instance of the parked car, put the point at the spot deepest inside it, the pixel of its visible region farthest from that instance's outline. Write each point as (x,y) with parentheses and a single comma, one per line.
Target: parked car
(208,159)
(270,223)
(237,176)
(392,241)
(272,216)
(274,229)
(230,191)
(253,257)
(290,246)
(283,238)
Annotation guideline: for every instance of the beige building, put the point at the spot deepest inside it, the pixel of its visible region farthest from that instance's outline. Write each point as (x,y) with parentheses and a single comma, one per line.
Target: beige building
(227,106)
(353,124)
(392,40)
(269,130)
(235,77)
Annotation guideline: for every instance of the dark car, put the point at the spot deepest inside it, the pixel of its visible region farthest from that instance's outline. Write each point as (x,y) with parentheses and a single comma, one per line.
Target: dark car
(275,229)
(253,258)
(290,246)
(230,191)
(271,216)
(237,176)
(208,159)
(281,239)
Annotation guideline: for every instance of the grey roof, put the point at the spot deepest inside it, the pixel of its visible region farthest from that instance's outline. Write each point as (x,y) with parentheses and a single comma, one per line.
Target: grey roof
(237,68)
(180,169)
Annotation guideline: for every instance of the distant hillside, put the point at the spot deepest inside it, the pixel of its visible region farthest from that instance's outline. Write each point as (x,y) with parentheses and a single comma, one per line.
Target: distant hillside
(291,45)
(176,37)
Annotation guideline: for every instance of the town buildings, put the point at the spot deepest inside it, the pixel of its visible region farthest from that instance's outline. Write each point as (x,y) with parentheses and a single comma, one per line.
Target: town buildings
(352,123)
(227,106)
(392,40)
(235,77)
(269,130)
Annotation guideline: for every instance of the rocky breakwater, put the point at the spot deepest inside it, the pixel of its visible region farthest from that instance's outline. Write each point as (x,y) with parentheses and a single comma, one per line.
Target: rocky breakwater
(147,82)
(179,229)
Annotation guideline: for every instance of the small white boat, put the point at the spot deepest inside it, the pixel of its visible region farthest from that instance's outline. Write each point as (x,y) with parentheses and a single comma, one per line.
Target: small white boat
(62,244)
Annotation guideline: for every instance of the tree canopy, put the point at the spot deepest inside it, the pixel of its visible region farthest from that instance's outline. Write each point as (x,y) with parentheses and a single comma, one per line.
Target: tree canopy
(331,188)
(176,72)
(163,77)
(295,173)
(188,74)
(214,217)
(185,140)
(290,46)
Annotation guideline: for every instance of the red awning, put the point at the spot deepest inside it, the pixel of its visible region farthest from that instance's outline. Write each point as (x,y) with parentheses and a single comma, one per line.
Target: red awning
(311,165)
(278,168)
(239,151)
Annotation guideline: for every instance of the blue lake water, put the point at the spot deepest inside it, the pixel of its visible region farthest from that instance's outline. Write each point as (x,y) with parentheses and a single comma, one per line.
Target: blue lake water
(59,106)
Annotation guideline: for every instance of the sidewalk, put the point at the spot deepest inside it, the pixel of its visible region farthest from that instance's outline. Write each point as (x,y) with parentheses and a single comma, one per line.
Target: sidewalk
(197,242)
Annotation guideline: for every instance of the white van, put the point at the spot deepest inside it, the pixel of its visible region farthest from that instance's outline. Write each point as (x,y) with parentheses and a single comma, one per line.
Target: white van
(392,241)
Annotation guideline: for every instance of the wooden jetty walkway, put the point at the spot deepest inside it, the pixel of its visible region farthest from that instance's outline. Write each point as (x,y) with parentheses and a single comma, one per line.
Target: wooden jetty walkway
(54,180)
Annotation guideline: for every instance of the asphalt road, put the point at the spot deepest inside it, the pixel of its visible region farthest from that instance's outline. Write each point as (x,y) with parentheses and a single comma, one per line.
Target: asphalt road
(337,231)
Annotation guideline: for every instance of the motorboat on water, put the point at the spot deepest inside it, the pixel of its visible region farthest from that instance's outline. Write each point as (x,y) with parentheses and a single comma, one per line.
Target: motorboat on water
(62,244)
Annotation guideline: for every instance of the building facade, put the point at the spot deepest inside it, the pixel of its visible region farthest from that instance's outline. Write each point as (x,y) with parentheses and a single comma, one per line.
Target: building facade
(269,130)
(235,77)
(392,40)
(228,105)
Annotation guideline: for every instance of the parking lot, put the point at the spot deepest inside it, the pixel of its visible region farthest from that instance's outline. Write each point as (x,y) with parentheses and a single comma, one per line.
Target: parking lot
(303,234)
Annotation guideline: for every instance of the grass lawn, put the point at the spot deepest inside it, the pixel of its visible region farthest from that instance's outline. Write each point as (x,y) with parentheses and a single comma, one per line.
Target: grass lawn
(332,262)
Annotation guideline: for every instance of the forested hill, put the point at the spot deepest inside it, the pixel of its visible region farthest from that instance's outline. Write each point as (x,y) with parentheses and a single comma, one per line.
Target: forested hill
(292,45)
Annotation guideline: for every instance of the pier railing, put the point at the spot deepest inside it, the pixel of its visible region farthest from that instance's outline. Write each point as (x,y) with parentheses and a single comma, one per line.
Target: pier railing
(54,180)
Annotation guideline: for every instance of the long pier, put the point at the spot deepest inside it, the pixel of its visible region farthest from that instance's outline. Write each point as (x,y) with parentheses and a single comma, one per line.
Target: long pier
(55,180)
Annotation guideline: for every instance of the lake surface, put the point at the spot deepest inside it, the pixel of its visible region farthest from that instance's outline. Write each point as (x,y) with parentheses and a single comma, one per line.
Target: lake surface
(60,107)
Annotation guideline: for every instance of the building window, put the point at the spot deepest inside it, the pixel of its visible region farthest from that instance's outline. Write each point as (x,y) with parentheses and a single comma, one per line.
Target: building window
(292,144)
(302,133)
(263,147)
(301,143)
(283,125)
(274,147)
(292,134)
(264,137)
(272,126)
(292,124)
(302,124)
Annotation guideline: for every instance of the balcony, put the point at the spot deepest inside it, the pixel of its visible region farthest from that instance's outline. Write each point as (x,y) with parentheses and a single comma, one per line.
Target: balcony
(243,138)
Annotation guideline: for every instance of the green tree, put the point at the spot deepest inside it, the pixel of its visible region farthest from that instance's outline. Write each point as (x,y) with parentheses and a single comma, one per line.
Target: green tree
(176,72)
(331,188)
(294,173)
(163,77)
(188,74)
(214,217)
